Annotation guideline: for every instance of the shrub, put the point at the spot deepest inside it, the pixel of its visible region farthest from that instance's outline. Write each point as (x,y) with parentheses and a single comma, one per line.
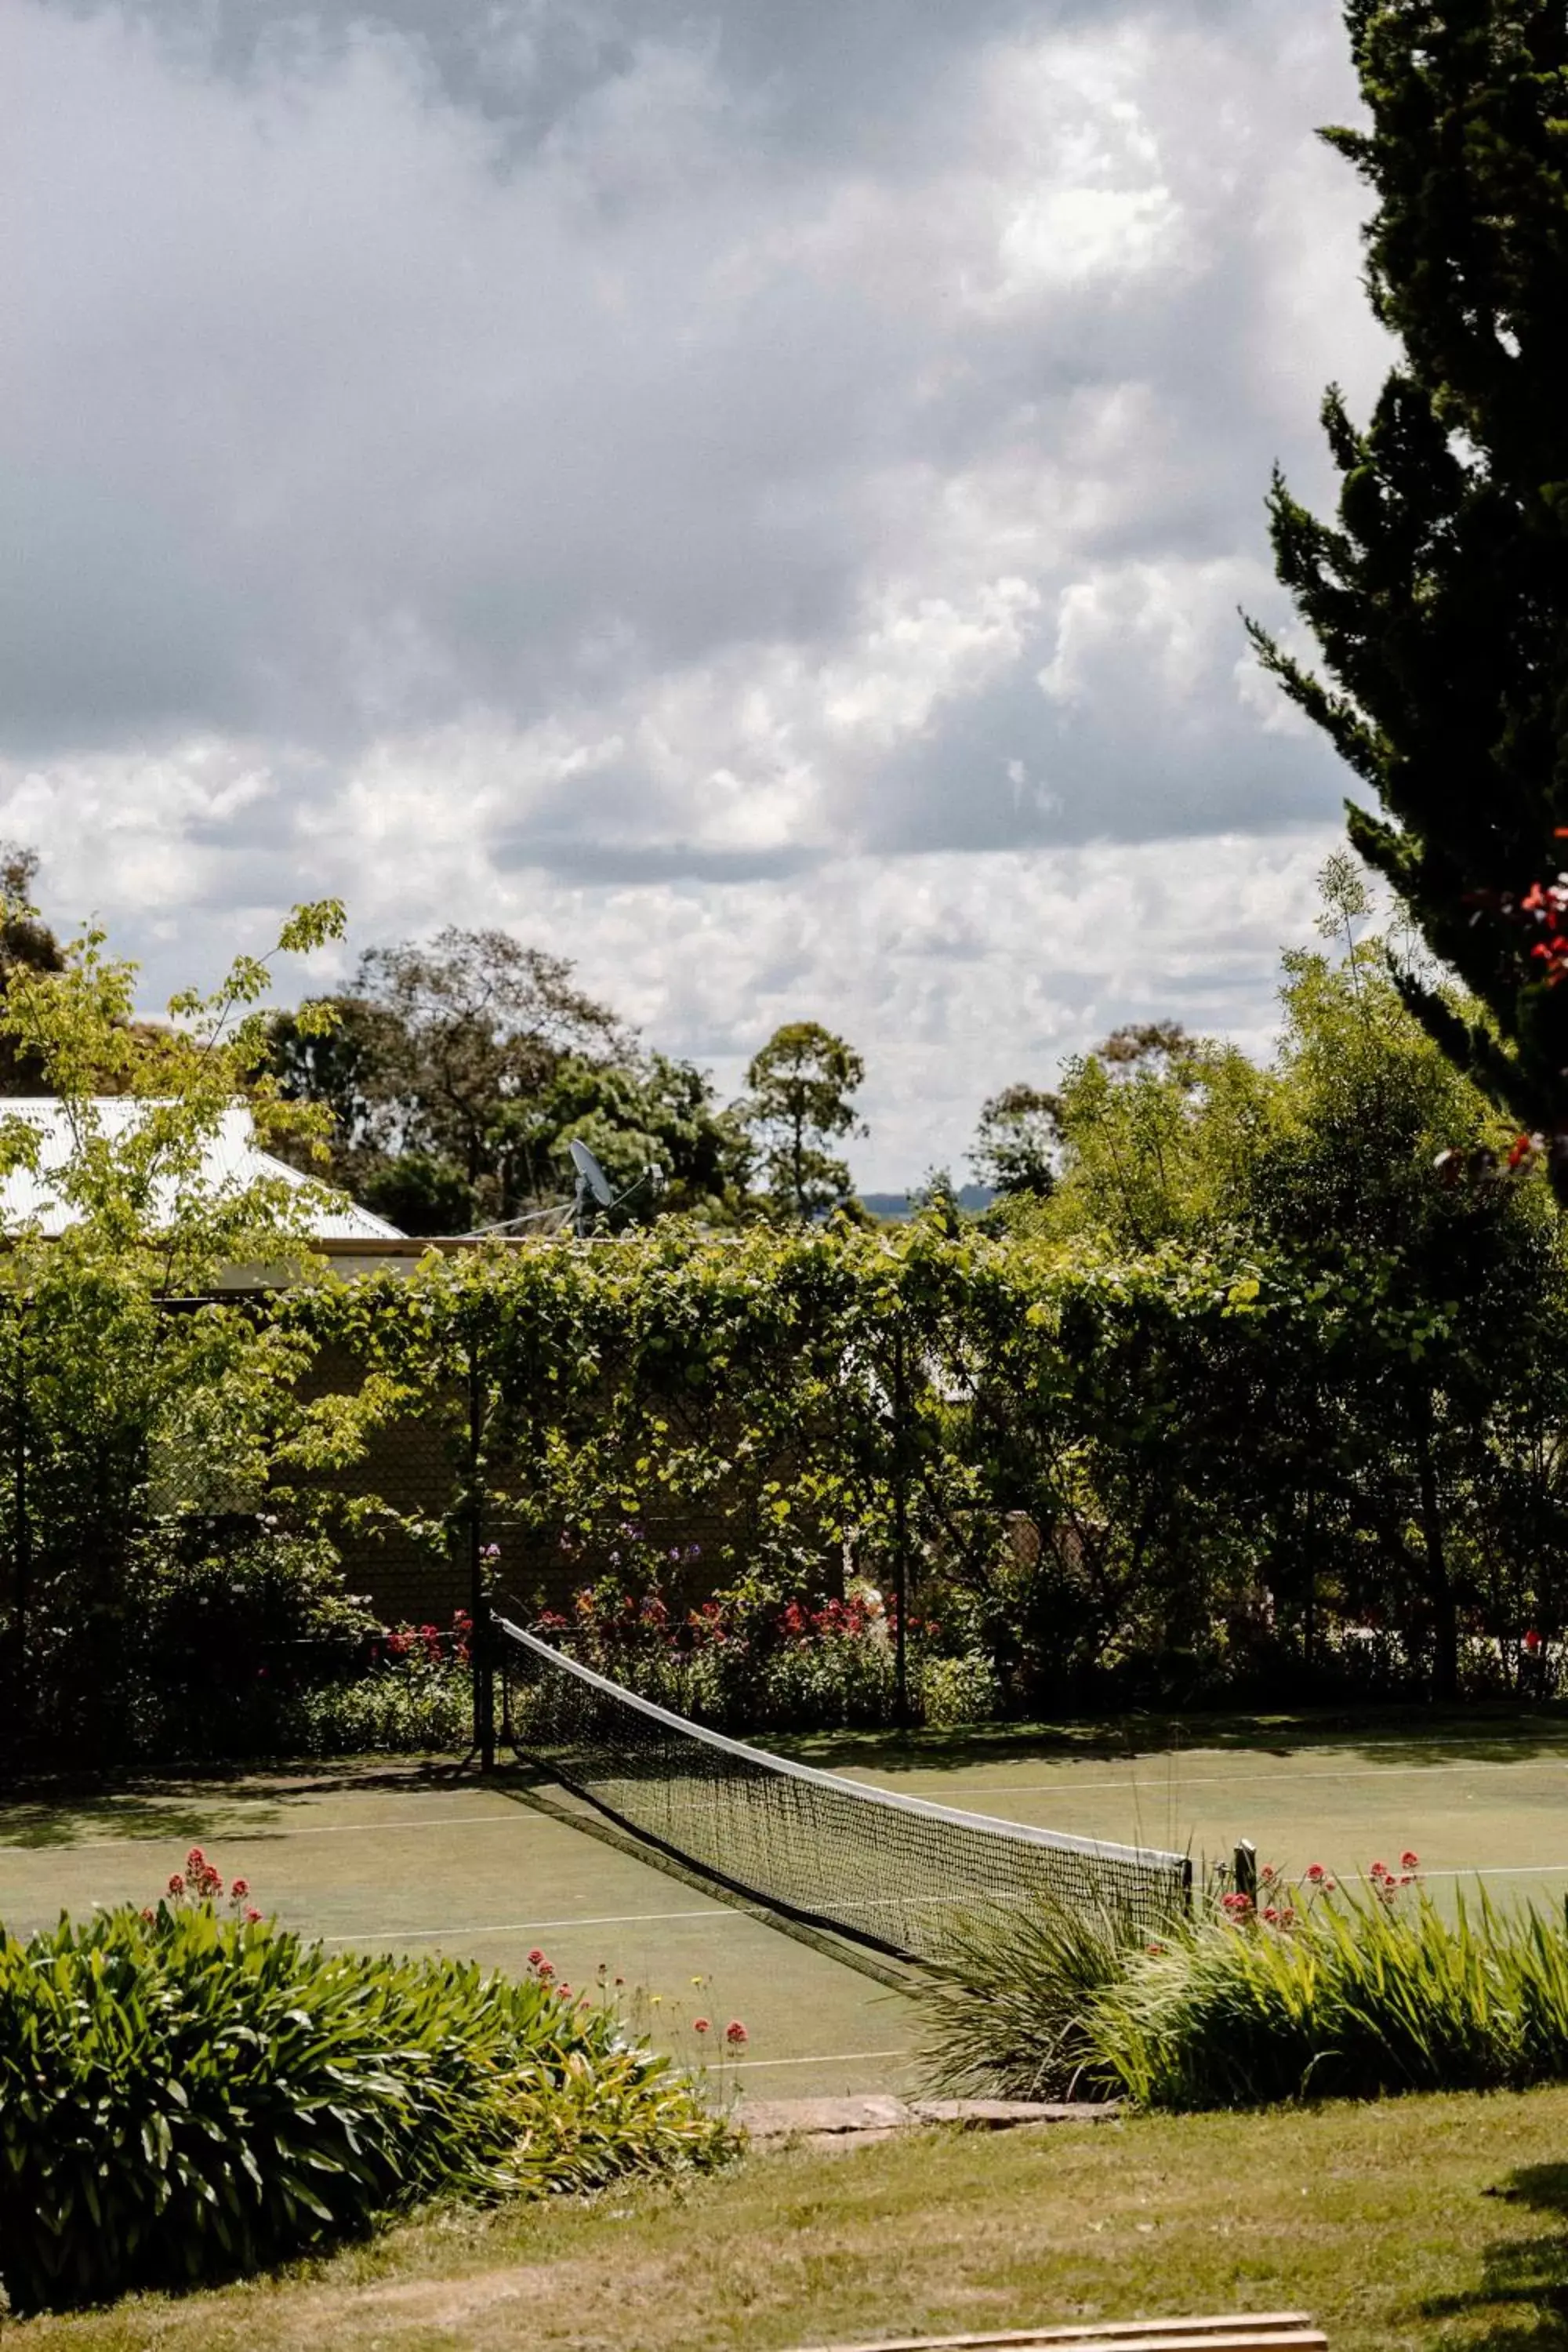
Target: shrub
(185,2098)
(1361,1997)
(386,1709)
(1326,1995)
(954,1691)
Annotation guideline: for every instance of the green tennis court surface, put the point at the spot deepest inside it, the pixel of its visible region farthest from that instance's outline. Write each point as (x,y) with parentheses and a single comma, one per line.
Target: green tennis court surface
(399,1857)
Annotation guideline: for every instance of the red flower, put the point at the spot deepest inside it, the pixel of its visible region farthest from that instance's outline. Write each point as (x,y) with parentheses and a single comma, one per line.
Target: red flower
(735,2034)
(535,1958)
(1408,1861)
(150,1916)
(239,1890)
(176,1885)
(1379,1870)
(251,1917)
(544,1972)
(1272,1916)
(1315,1874)
(699,2025)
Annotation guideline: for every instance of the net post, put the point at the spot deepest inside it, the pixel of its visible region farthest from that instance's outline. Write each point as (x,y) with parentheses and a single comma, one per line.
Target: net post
(1187,1886)
(1245,1870)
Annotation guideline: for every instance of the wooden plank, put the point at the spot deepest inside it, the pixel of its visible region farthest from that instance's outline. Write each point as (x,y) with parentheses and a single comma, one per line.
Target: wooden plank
(1263,2331)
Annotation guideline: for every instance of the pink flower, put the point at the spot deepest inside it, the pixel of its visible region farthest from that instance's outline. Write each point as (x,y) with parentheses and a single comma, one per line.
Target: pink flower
(545,1971)
(1315,1874)
(239,1890)
(176,1885)
(251,1917)
(150,1917)
(535,1956)
(1268,1873)
(735,2034)
(1408,1861)
(1239,1905)
(1379,1870)
(1272,1916)
(699,2025)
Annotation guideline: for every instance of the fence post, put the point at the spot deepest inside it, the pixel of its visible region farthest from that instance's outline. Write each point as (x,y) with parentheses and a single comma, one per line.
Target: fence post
(484,1720)
(22,1528)
(900,1537)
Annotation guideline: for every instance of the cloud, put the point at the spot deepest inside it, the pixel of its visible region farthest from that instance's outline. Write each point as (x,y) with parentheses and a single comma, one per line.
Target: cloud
(542,461)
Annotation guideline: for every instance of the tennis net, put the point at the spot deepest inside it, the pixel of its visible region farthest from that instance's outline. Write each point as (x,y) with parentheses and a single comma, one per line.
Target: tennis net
(888,1870)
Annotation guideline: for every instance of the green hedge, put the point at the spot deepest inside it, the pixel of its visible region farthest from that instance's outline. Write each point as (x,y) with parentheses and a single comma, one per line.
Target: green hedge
(185,2098)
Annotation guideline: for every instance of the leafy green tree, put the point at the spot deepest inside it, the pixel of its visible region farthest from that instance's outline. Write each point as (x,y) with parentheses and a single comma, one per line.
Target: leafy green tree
(799,1101)
(427,1061)
(1154,1129)
(1438,597)
(1018,1141)
(140,1404)
(652,1113)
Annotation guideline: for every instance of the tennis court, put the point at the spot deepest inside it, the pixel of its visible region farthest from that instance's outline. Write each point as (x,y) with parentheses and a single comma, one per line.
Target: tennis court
(405,1856)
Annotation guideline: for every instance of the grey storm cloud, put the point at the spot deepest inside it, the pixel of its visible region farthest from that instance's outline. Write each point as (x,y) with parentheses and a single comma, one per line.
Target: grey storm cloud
(579,462)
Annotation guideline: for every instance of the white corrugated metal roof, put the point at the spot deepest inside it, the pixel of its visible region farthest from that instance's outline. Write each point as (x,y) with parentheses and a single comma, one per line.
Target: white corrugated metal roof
(232,1159)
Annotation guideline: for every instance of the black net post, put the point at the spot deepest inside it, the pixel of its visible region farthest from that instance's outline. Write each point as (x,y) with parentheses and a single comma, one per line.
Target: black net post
(1245,1870)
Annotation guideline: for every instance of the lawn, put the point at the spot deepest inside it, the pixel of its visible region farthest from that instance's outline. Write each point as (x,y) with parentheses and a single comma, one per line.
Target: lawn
(1414,2223)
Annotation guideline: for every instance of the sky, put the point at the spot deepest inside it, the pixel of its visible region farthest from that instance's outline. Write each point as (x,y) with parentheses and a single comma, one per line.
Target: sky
(753,498)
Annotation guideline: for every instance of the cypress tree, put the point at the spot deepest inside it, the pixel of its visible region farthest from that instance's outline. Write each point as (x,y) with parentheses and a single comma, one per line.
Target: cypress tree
(1439,596)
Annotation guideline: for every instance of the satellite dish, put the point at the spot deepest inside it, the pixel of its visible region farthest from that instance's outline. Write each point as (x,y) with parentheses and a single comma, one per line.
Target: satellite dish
(592,1174)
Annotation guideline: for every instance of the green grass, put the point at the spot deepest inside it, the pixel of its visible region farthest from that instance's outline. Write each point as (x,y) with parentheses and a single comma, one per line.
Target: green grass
(1415,2223)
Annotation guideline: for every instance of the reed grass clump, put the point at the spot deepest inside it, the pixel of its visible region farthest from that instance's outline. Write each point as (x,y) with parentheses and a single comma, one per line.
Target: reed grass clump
(1327,1993)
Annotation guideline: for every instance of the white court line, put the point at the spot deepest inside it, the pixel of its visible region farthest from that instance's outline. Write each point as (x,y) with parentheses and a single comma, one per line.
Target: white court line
(719,1911)
(1151,1786)
(833,2058)
(274,1837)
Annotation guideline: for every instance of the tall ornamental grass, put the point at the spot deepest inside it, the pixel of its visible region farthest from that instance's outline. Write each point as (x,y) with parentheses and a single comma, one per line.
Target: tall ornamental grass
(185,2097)
(1011,2010)
(1330,1994)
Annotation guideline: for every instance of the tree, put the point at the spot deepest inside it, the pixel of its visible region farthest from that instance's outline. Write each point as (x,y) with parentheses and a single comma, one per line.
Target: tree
(1018,1140)
(651,1112)
(1153,1127)
(428,1058)
(1439,597)
(798,1102)
(27,945)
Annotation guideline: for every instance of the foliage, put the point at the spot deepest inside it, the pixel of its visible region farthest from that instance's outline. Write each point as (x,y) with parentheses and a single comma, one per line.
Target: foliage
(128,1402)
(185,2098)
(1361,1996)
(1323,1993)
(1017,1139)
(216,1637)
(799,1100)
(1011,2011)
(1439,596)
(740,1663)
(634,1115)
